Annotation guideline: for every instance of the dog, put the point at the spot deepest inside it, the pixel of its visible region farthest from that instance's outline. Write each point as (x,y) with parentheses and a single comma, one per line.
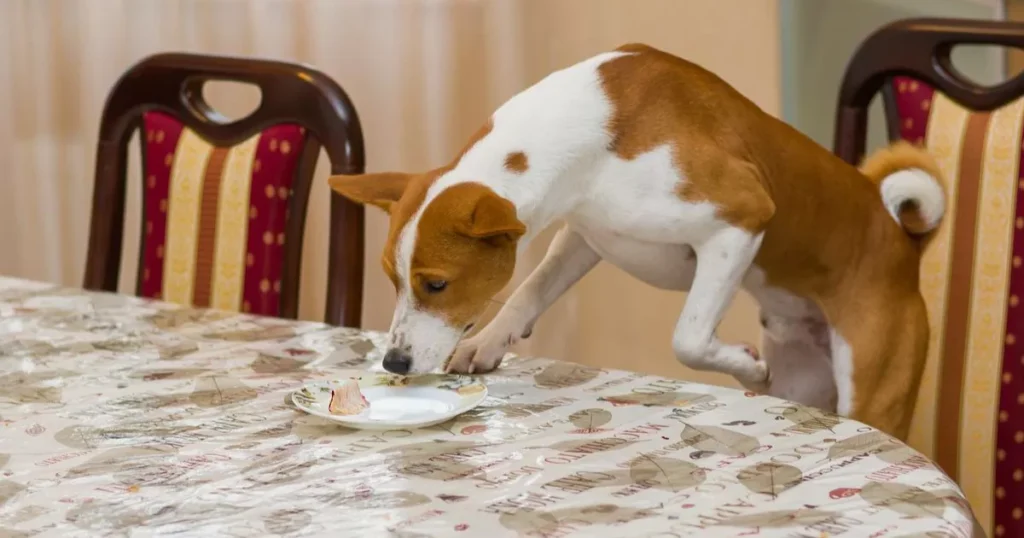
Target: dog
(660,167)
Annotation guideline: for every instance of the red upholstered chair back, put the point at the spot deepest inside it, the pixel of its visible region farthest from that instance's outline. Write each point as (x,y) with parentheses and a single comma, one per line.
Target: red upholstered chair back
(970,410)
(224,202)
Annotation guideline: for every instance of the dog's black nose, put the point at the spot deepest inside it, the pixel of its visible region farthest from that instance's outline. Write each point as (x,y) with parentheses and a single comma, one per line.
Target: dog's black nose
(397,361)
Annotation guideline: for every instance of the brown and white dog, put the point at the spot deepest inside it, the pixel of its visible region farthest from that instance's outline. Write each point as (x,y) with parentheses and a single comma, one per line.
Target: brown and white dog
(661,168)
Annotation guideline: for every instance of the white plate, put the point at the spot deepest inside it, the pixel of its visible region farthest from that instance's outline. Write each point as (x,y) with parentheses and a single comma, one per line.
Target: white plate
(396,401)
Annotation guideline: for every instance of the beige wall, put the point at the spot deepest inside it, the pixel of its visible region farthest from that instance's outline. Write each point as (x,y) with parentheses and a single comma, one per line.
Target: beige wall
(423,73)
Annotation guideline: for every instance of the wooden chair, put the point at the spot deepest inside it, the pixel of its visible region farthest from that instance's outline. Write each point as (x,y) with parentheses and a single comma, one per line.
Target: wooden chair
(224,202)
(970,410)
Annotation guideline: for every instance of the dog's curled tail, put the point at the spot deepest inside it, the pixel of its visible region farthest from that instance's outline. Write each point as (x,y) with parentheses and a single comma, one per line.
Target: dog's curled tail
(911,185)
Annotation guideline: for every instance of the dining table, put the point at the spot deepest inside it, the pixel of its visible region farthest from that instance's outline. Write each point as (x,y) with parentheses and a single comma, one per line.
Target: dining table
(123,416)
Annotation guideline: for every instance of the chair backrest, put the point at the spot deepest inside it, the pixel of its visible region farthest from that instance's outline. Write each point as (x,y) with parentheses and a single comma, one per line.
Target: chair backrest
(224,202)
(970,410)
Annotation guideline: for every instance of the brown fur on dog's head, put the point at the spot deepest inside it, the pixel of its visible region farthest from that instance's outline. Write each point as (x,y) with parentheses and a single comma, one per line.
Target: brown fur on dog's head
(450,249)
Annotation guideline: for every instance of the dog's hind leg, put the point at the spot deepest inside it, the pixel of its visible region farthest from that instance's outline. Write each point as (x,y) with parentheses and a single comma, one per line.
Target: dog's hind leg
(879,348)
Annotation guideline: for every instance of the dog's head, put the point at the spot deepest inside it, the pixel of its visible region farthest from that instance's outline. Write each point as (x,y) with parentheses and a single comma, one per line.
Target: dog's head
(449,251)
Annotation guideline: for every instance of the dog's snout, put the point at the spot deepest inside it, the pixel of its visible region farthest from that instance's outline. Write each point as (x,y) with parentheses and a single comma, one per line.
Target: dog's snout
(397,361)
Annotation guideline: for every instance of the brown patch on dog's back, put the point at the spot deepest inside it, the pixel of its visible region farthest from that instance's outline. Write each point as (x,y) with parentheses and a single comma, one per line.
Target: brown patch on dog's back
(760,173)
(517,162)
(658,101)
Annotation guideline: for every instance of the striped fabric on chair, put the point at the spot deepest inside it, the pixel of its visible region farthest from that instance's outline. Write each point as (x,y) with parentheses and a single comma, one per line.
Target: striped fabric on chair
(970,412)
(215,217)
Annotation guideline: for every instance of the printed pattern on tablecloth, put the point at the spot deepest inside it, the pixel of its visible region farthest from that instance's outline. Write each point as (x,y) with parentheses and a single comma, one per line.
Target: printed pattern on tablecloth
(120,414)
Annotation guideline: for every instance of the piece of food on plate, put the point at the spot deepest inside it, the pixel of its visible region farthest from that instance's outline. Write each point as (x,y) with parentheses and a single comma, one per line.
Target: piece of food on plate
(347,399)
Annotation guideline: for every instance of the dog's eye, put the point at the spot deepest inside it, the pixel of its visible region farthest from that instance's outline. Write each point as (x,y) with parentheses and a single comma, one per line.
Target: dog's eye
(435,286)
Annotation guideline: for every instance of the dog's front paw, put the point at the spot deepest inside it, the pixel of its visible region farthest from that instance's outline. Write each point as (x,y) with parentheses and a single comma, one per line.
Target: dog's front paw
(479,354)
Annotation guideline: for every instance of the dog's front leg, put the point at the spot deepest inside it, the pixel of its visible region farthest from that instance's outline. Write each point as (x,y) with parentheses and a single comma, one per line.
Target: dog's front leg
(722,261)
(568,258)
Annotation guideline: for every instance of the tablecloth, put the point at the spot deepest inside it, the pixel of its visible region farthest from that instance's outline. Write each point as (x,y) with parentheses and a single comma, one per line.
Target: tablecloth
(126,417)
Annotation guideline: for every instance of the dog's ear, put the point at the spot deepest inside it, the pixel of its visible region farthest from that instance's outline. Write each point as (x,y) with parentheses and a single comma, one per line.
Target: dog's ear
(381,189)
(494,219)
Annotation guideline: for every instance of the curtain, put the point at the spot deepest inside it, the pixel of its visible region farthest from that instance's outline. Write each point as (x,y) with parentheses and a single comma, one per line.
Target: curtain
(424,74)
